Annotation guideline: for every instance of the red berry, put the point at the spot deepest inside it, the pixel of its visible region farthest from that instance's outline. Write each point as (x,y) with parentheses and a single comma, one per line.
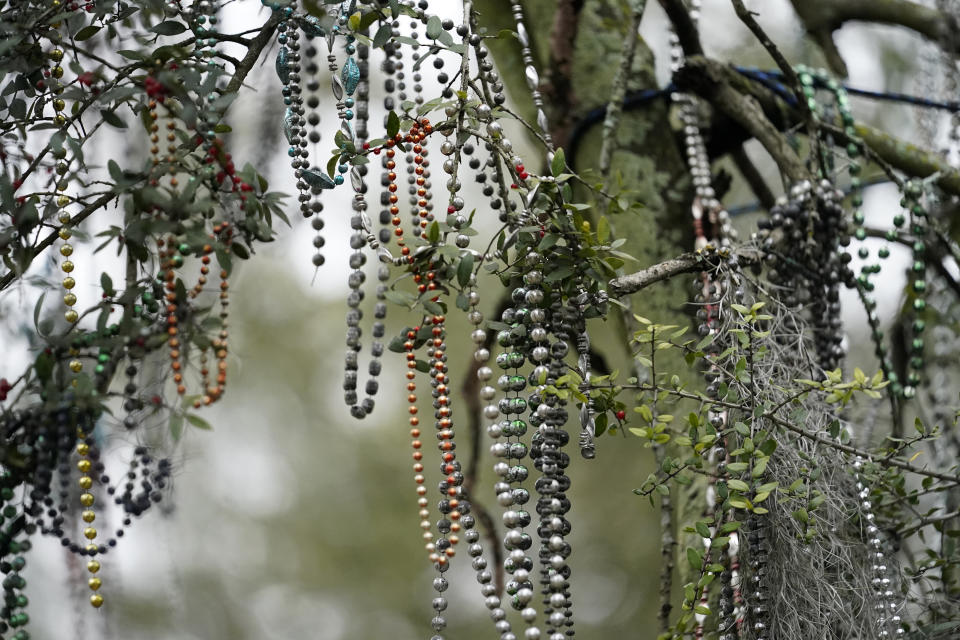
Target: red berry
(621,415)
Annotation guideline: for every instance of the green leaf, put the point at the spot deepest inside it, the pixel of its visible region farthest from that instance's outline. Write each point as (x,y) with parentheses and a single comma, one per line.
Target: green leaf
(198,422)
(87,32)
(434,27)
(113,119)
(433,232)
(106,284)
(464,269)
(603,230)
(695,558)
(176,426)
(738,485)
(382,36)
(116,173)
(393,124)
(169,28)
(559,163)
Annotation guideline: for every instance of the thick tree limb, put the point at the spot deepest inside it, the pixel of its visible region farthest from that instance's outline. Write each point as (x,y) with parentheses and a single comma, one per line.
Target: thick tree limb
(822,17)
(684,27)
(619,89)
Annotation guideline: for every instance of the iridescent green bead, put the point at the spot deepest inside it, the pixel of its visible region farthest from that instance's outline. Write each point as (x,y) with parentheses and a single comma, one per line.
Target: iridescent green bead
(9,511)
(518,427)
(883,252)
(504,338)
(917,344)
(919,326)
(899,220)
(919,266)
(919,304)
(919,247)
(860,233)
(856,200)
(916,362)
(863,252)
(858,216)
(919,286)
(6,493)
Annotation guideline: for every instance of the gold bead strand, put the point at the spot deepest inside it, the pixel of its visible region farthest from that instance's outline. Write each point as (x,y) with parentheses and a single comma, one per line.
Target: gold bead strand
(84,465)
(62,200)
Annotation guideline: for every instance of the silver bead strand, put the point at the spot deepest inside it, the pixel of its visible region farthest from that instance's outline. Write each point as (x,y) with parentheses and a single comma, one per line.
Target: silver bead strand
(706,206)
(889,622)
(532,77)
(361,225)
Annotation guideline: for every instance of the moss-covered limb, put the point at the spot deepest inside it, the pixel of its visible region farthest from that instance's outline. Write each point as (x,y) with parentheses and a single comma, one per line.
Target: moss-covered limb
(910,159)
(619,89)
(822,17)
(715,82)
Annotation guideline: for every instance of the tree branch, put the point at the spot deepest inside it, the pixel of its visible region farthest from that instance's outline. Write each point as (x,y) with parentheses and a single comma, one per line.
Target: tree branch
(81,215)
(557,89)
(684,27)
(685,263)
(619,89)
(715,83)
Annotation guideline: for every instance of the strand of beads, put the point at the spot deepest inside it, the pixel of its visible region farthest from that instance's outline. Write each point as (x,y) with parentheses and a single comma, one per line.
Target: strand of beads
(861,283)
(205,15)
(912,193)
(298,134)
(171,260)
(84,464)
(889,623)
(550,416)
(361,225)
(698,161)
(212,392)
(518,564)
(416,443)
(61,200)
(532,77)
(452,503)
